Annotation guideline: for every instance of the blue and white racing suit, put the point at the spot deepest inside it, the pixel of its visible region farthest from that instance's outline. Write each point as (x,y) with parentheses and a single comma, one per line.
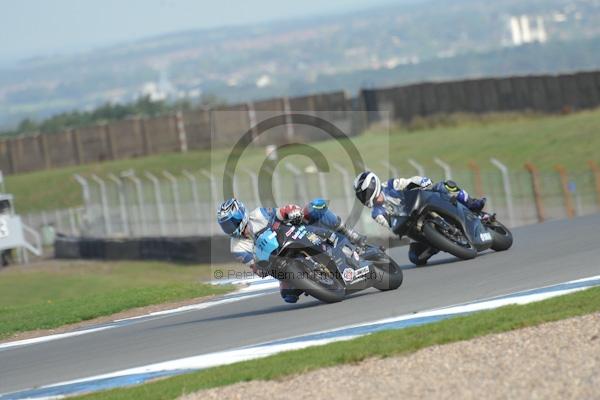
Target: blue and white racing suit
(315,213)
(243,247)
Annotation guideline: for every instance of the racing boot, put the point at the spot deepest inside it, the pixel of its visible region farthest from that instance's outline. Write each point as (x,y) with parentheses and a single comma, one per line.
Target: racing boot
(288,294)
(420,253)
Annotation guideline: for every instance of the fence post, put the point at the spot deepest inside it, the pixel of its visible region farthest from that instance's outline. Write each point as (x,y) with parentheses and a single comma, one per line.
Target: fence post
(507,189)
(72,222)
(122,204)
(564,182)
(104,201)
(176,199)
(347,183)
(213,187)
(445,167)
(180,126)
(159,203)
(140,198)
(85,190)
(300,186)
(146,140)
(195,196)
(254,179)
(289,128)
(43,143)
(77,146)
(391,168)
(596,172)
(234,183)
(12,155)
(537,193)
(323,185)
(474,167)
(252,118)
(276,187)
(58,221)
(417,166)
(110,143)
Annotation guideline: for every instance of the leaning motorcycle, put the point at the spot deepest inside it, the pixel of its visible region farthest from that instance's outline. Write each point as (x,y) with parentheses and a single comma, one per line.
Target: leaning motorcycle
(322,263)
(445,224)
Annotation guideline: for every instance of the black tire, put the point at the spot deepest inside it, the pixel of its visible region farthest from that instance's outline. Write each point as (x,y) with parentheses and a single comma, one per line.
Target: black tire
(502,238)
(441,242)
(299,278)
(389,274)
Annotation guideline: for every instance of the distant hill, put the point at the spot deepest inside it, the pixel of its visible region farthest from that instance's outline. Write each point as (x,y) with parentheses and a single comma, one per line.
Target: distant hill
(422,40)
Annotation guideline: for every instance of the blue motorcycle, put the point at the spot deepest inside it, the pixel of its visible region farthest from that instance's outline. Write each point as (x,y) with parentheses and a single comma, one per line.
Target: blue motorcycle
(323,263)
(443,223)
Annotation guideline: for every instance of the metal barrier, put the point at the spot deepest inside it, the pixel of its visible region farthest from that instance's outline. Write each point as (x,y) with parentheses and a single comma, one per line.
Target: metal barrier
(169,204)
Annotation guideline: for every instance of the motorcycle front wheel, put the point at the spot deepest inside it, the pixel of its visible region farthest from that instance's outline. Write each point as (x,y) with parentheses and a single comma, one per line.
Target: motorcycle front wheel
(323,286)
(441,241)
(502,238)
(389,275)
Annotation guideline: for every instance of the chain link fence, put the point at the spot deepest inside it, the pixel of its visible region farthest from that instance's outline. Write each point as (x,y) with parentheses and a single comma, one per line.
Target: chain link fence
(143,204)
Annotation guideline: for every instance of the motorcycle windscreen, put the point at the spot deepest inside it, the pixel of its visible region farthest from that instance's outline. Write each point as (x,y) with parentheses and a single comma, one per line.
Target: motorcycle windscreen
(402,208)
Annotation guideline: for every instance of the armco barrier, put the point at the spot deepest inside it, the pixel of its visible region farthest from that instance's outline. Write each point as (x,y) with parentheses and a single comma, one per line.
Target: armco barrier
(192,249)
(180,249)
(66,247)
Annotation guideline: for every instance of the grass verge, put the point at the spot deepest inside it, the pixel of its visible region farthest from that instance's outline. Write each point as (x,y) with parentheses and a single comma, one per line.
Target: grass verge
(381,344)
(53,294)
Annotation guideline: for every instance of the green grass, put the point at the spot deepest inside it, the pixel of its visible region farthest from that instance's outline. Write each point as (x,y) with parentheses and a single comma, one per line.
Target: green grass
(513,138)
(383,344)
(58,293)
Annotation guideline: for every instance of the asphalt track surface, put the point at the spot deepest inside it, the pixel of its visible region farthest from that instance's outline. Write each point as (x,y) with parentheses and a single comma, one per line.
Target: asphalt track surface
(542,255)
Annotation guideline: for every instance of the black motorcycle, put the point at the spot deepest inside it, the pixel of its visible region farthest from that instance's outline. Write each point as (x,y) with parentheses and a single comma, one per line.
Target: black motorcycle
(322,263)
(445,224)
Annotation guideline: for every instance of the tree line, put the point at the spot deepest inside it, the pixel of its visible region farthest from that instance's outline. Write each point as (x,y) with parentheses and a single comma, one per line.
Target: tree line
(143,107)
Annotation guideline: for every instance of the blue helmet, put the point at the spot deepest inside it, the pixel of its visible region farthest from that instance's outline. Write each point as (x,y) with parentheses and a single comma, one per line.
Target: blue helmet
(232,217)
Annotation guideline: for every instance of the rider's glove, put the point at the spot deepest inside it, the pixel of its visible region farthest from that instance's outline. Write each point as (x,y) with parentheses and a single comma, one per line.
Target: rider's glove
(291,214)
(476,205)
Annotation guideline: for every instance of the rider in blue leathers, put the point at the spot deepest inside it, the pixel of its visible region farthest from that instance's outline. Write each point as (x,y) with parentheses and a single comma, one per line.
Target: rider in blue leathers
(243,228)
(380,196)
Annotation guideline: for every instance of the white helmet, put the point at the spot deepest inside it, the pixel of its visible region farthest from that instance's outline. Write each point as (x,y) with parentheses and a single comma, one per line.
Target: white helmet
(367,187)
